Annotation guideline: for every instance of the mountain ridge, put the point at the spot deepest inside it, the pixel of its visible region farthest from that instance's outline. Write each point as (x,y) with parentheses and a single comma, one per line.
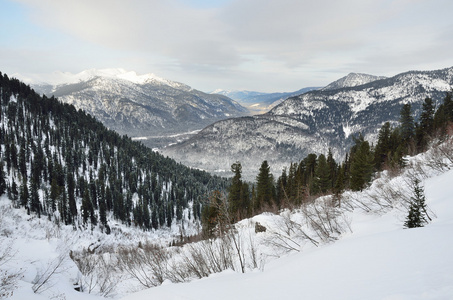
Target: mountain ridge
(142,105)
(260,102)
(310,123)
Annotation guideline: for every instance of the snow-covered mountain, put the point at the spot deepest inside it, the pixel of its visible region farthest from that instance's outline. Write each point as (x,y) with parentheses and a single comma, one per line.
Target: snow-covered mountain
(140,105)
(351,80)
(258,102)
(310,123)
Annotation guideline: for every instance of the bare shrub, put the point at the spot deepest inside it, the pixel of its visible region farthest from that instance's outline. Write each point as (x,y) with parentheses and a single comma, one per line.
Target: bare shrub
(440,157)
(324,219)
(8,278)
(45,277)
(98,275)
(288,235)
(148,264)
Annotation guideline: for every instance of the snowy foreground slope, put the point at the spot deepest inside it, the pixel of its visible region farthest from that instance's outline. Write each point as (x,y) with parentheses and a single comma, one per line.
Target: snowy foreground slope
(378,260)
(373,257)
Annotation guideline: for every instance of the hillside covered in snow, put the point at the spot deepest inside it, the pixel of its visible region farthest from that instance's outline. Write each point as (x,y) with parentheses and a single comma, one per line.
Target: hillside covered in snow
(361,250)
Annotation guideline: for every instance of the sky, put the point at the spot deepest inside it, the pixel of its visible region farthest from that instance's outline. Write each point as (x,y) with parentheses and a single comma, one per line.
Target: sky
(260,45)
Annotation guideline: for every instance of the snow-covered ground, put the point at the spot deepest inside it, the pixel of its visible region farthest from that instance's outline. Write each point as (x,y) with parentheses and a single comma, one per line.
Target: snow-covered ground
(379,260)
(373,258)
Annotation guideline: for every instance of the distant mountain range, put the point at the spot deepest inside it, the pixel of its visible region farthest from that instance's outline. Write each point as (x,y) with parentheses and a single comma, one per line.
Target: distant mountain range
(157,110)
(311,122)
(258,102)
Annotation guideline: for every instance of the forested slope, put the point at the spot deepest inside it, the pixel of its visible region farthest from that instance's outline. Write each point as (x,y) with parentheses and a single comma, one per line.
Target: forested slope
(61,163)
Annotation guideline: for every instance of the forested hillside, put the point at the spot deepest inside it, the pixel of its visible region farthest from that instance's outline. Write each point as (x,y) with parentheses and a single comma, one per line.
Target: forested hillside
(318,175)
(62,164)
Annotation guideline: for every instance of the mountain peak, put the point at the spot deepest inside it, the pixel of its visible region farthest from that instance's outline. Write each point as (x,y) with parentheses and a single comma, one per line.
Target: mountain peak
(58,77)
(351,80)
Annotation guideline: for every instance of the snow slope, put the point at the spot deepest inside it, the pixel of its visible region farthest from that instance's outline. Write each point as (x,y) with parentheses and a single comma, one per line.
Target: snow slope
(375,259)
(379,260)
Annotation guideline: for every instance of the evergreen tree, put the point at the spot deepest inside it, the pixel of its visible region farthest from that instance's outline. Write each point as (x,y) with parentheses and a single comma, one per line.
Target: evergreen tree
(444,115)
(86,206)
(35,203)
(407,126)
(14,191)
(2,180)
(425,129)
(154,218)
(212,215)
(169,212)
(322,181)
(281,188)
(417,210)
(333,167)
(55,192)
(383,147)
(427,117)
(24,194)
(361,164)
(102,212)
(146,215)
(264,187)
(246,208)
(234,193)
(22,159)
(339,185)
(71,197)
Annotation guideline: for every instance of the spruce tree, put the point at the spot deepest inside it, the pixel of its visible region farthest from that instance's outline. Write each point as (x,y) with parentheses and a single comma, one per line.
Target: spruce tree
(234,193)
(86,206)
(264,187)
(361,164)
(281,188)
(407,126)
(35,203)
(417,215)
(427,117)
(24,196)
(383,146)
(2,180)
(424,130)
(322,181)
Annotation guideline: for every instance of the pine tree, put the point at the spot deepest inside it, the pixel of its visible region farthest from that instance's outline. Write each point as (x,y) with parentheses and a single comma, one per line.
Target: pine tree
(407,126)
(281,188)
(234,193)
(444,115)
(102,212)
(35,203)
(86,205)
(71,197)
(264,187)
(383,147)
(322,181)
(424,130)
(24,194)
(333,168)
(2,180)
(361,164)
(417,216)
(154,218)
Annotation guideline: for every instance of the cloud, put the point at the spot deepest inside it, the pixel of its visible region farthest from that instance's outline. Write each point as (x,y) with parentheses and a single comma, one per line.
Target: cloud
(244,37)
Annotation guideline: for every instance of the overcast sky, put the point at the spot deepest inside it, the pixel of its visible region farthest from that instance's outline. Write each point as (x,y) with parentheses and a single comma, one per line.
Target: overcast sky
(262,45)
